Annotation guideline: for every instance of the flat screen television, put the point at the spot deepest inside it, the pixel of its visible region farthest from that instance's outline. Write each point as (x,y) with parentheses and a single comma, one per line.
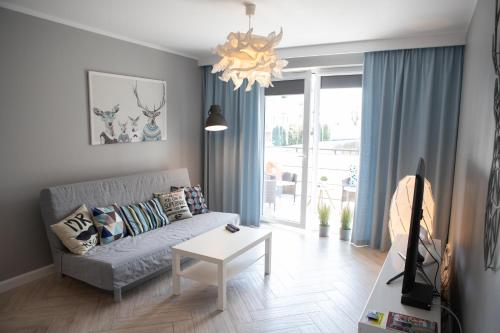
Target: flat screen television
(413,293)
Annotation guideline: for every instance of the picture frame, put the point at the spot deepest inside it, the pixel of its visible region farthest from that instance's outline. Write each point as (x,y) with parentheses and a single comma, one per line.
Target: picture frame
(126,109)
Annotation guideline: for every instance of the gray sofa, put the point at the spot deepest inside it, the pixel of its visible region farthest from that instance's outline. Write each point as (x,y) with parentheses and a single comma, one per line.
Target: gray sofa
(127,261)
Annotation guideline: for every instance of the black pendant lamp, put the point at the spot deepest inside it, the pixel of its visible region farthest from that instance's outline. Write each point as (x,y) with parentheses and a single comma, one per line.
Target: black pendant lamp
(215,120)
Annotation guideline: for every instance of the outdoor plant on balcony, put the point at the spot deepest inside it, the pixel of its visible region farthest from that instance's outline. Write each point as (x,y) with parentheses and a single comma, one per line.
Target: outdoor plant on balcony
(346,218)
(345,223)
(324,214)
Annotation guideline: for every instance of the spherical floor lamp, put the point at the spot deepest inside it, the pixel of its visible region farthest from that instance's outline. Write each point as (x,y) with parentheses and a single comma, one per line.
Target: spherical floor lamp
(400,218)
(401,206)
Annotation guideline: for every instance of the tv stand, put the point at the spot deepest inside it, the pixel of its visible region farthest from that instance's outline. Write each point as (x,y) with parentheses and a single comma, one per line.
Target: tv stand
(387,297)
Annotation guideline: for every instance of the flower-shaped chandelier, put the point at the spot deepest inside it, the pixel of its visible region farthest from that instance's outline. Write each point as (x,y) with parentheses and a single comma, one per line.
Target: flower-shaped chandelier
(249,56)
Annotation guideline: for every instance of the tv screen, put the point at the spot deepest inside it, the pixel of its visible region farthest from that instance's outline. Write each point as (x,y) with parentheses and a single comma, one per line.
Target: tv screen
(413,293)
(414,232)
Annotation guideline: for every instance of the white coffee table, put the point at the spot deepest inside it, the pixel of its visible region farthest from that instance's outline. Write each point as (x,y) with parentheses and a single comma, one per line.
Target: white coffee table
(221,255)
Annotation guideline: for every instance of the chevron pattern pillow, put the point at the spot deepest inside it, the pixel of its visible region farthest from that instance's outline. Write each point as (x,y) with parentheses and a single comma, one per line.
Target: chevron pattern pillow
(109,224)
(143,217)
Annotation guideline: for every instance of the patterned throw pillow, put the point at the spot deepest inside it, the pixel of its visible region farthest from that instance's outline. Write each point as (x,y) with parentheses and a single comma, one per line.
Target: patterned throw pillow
(142,217)
(109,224)
(77,232)
(174,204)
(194,198)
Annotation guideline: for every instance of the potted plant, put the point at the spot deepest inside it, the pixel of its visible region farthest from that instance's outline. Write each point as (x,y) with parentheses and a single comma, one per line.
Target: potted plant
(345,224)
(324,216)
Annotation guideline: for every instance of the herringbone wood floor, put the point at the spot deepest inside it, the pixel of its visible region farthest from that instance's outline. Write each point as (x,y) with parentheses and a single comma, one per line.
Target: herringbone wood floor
(316,285)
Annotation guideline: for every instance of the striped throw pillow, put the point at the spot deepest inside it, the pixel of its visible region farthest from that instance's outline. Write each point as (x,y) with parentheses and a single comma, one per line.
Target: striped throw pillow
(142,217)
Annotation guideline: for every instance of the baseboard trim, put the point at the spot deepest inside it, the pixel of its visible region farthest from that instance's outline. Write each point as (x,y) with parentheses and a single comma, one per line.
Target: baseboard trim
(19,280)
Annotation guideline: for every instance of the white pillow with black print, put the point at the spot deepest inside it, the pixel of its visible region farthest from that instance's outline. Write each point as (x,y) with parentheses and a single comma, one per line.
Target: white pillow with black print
(77,231)
(174,204)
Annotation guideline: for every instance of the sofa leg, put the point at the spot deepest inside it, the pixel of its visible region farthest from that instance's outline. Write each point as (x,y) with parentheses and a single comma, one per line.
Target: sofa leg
(117,292)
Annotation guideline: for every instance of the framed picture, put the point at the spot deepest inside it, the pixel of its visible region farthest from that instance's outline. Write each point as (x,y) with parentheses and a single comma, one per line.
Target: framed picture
(126,109)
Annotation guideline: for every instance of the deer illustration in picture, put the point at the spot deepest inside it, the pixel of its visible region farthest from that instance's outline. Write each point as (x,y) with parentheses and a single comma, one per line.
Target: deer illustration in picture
(107,117)
(151,131)
(123,137)
(134,129)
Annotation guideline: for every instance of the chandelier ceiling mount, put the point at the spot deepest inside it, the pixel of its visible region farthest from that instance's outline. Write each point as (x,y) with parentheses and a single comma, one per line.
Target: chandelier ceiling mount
(249,56)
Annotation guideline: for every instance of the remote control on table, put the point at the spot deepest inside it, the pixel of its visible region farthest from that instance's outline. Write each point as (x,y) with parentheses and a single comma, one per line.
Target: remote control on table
(234,227)
(228,228)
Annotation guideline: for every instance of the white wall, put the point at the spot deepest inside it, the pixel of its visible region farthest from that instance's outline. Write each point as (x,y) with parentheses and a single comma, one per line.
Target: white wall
(475,293)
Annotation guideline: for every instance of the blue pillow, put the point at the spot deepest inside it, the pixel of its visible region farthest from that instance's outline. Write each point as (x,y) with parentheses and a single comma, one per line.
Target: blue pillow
(142,217)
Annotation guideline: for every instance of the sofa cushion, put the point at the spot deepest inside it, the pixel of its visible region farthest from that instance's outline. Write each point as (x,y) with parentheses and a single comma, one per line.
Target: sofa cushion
(194,198)
(109,224)
(132,258)
(143,217)
(76,231)
(174,204)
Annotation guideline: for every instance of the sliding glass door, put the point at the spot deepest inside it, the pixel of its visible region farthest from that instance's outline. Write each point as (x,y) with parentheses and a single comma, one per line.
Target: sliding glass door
(337,145)
(311,147)
(284,152)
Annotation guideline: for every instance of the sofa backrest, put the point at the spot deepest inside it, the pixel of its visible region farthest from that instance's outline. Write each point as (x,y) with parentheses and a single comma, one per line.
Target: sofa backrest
(59,201)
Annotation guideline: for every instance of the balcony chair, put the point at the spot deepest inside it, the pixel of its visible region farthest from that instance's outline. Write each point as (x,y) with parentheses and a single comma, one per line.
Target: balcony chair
(270,192)
(291,188)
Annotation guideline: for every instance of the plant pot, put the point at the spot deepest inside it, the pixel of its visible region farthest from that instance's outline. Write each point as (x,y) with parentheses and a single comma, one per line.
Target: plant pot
(324,230)
(345,234)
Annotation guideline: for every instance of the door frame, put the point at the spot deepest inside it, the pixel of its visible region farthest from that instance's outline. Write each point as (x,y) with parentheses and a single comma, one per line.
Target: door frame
(311,126)
(317,74)
(308,104)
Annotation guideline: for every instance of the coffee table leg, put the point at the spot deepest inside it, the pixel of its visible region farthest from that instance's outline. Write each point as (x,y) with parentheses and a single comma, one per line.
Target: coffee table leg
(268,255)
(221,285)
(176,269)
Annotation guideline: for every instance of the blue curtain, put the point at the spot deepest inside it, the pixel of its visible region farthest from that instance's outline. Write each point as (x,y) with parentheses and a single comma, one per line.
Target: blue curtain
(411,103)
(233,158)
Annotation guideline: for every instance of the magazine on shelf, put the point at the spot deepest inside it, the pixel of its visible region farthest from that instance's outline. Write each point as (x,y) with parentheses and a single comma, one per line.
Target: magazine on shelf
(404,323)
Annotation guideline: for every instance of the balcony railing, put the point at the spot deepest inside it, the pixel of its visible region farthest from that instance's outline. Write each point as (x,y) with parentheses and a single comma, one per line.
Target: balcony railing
(333,163)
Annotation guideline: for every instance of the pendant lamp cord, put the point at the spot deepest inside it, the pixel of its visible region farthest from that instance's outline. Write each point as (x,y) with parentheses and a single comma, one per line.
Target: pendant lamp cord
(250,11)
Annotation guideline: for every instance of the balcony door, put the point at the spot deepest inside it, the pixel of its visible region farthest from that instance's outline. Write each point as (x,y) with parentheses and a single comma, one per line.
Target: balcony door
(286,145)
(311,147)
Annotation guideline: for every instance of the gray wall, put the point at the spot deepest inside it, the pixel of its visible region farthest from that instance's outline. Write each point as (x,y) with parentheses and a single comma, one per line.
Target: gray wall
(475,293)
(44,123)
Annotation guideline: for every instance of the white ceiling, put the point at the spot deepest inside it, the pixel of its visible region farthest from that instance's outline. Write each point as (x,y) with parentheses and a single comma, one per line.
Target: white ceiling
(194,27)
